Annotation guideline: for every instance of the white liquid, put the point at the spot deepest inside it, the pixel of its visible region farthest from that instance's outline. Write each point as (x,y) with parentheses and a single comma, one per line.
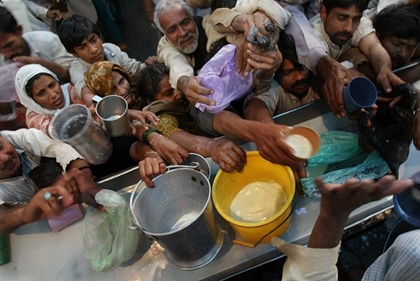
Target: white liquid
(302,146)
(258,201)
(184,221)
(113,117)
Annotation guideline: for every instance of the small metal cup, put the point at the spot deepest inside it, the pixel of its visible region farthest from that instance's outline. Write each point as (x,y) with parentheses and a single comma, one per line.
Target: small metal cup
(113,112)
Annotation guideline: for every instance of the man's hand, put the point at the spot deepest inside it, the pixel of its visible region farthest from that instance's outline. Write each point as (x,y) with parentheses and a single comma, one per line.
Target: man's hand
(54,14)
(42,206)
(339,200)
(87,186)
(194,92)
(24,60)
(387,79)
(168,149)
(151,60)
(264,61)
(334,78)
(150,167)
(229,156)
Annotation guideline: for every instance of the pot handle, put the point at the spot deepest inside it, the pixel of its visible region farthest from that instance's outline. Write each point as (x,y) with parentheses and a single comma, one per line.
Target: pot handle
(194,165)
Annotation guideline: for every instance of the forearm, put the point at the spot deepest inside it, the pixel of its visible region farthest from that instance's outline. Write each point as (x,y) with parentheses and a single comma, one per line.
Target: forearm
(192,143)
(327,231)
(378,57)
(257,110)
(11,218)
(233,126)
(62,72)
(140,150)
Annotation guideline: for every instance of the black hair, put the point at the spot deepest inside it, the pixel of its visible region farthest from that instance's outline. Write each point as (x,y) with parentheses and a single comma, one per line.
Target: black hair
(401,21)
(287,48)
(74,30)
(29,85)
(45,174)
(8,22)
(361,5)
(148,84)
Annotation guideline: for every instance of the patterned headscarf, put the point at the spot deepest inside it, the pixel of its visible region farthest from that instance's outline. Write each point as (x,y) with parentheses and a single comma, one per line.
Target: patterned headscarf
(98,77)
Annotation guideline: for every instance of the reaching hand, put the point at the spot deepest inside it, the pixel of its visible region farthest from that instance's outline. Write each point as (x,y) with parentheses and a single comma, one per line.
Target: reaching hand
(193,91)
(339,200)
(229,156)
(54,14)
(151,167)
(142,116)
(168,149)
(334,78)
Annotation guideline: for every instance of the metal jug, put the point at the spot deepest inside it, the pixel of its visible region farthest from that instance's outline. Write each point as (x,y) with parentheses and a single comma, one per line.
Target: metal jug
(74,125)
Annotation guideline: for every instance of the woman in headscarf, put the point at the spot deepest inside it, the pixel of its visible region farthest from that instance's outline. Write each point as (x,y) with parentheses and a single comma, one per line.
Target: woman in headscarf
(41,93)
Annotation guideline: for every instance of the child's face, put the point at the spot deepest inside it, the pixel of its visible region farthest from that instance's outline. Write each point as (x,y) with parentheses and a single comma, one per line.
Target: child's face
(91,49)
(46,91)
(121,86)
(166,92)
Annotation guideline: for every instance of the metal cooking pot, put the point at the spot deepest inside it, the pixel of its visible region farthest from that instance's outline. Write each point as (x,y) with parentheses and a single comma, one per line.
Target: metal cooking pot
(178,214)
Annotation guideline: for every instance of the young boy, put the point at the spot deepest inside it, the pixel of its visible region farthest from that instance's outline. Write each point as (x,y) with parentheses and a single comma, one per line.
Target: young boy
(81,38)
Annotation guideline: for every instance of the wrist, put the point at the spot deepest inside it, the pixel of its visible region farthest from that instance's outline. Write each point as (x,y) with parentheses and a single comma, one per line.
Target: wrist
(150,134)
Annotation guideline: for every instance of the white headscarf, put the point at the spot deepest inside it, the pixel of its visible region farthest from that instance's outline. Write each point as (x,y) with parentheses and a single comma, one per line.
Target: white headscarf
(271,8)
(22,77)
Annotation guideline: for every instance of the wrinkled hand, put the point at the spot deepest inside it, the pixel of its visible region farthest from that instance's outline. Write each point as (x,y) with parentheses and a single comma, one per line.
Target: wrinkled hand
(54,14)
(151,167)
(39,208)
(339,200)
(151,60)
(387,79)
(334,78)
(169,150)
(229,156)
(264,61)
(193,91)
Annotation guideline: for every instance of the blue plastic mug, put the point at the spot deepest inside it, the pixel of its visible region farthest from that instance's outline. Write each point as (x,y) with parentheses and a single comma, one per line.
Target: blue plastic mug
(359,93)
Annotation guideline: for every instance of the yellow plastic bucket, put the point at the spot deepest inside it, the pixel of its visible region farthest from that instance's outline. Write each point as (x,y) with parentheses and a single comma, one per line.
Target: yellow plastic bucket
(227,185)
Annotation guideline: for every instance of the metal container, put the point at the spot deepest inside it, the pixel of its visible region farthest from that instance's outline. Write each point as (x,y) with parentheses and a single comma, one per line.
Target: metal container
(113,112)
(178,214)
(74,126)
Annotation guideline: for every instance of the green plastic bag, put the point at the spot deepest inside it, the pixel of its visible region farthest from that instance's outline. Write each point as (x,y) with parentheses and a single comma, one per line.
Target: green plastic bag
(336,146)
(107,238)
(373,167)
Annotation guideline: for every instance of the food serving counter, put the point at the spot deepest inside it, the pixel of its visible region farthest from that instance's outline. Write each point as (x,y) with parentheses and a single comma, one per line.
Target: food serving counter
(39,254)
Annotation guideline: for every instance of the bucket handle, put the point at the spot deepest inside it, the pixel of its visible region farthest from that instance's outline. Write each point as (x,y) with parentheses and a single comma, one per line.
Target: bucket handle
(194,165)
(250,245)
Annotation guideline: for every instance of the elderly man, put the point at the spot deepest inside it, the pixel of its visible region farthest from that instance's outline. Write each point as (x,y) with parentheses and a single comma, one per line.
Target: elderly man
(20,152)
(184,46)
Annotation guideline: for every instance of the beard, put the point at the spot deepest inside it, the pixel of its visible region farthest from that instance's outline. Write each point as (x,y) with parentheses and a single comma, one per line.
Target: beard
(191,47)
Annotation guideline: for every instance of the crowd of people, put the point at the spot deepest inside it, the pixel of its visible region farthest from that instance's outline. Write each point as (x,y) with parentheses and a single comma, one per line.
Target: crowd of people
(292,53)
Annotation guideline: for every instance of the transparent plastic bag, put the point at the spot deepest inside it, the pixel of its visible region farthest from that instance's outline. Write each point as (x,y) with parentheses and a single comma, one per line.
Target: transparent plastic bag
(108,240)
(220,75)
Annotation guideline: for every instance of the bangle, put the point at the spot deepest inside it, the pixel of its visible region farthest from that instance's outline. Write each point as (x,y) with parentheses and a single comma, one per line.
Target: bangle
(150,152)
(147,133)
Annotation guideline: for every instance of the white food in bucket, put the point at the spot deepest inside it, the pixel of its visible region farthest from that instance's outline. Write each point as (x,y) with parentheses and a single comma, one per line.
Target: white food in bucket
(258,201)
(302,146)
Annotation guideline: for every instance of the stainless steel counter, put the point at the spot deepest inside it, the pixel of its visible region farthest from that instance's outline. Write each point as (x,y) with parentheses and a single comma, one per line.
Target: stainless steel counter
(39,254)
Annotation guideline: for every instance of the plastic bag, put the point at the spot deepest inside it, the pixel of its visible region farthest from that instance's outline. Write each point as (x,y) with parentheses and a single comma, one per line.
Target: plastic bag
(336,146)
(220,75)
(108,240)
(373,167)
